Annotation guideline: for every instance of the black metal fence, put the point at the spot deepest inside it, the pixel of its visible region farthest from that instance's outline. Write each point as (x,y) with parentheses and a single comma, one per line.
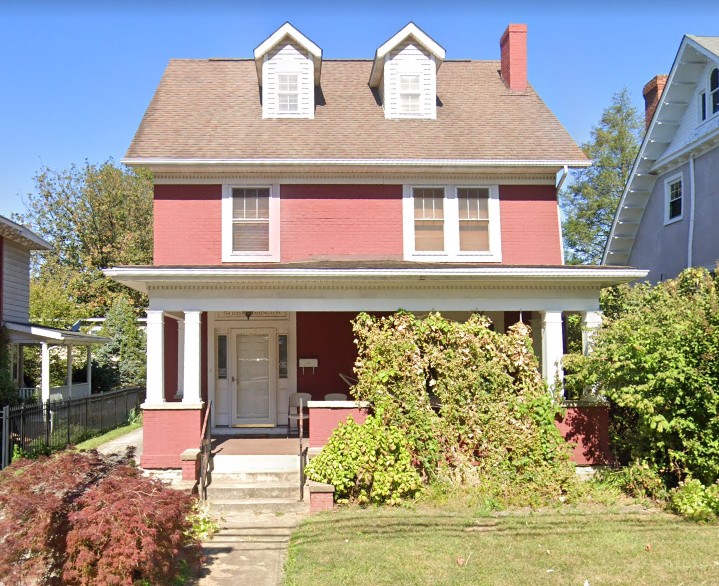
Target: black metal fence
(53,425)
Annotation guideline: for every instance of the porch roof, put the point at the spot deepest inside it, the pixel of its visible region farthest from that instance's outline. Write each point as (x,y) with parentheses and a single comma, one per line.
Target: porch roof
(141,277)
(27,333)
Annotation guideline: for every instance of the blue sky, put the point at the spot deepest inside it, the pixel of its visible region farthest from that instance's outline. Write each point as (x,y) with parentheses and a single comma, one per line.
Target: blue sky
(76,77)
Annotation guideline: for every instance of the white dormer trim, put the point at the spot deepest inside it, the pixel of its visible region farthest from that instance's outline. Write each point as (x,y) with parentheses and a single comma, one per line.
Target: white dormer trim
(288,31)
(409,31)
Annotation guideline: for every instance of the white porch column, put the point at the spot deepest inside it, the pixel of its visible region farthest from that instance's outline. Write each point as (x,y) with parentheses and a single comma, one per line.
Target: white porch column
(180,359)
(89,368)
(552,347)
(591,322)
(69,372)
(191,379)
(155,357)
(45,372)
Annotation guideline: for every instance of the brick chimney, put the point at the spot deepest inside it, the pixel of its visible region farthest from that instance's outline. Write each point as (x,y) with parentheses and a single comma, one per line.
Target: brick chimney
(652,93)
(513,47)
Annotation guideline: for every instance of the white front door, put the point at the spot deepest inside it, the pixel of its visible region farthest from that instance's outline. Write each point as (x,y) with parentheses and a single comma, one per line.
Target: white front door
(255,377)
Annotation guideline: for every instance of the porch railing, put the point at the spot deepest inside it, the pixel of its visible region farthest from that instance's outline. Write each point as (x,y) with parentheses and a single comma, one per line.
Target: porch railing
(303,452)
(205,451)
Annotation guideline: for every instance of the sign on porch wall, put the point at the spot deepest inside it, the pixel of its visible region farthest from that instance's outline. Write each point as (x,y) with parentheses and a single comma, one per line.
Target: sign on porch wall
(247,315)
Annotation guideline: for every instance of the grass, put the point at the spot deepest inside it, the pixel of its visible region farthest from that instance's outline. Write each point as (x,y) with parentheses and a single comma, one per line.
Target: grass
(437,546)
(94,442)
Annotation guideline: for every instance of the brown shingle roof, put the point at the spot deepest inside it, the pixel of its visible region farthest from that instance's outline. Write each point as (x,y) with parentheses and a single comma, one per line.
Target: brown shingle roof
(210,109)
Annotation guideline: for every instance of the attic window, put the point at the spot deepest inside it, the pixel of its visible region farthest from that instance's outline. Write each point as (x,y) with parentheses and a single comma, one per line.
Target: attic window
(714,90)
(287,93)
(409,94)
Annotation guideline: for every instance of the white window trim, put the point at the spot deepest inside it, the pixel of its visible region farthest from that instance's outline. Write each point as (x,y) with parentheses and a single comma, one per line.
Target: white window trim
(667,194)
(702,99)
(298,94)
(451,226)
(228,255)
(420,97)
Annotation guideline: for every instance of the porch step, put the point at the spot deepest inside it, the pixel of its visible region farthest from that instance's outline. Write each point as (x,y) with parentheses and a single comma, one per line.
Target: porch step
(256,477)
(223,464)
(265,505)
(228,490)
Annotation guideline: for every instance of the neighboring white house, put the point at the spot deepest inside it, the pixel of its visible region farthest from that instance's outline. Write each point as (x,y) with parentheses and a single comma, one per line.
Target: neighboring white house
(667,218)
(16,243)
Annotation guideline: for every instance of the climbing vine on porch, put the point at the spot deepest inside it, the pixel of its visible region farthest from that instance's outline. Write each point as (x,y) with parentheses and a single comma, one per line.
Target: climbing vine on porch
(471,402)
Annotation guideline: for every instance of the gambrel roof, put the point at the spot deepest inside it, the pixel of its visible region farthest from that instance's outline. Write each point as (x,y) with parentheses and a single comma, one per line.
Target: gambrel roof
(661,149)
(209,111)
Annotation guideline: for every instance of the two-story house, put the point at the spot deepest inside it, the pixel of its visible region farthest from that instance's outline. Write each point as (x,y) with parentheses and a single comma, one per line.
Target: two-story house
(293,191)
(666,220)
(16,244)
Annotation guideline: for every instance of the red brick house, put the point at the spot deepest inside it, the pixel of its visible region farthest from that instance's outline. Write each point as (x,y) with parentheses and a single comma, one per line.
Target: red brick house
(292,192)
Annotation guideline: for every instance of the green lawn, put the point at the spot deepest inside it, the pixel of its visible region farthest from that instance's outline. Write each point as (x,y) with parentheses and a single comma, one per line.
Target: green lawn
(564,546)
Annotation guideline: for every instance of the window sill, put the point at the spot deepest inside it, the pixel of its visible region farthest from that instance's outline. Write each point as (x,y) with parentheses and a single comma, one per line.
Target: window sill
(673,220)
(240,258)
(458,257)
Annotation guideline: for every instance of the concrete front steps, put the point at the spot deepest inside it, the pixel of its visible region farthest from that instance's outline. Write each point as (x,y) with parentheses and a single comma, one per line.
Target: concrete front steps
(260,484)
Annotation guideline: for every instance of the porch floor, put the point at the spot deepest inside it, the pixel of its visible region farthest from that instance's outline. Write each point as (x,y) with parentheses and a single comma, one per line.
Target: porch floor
(256,446)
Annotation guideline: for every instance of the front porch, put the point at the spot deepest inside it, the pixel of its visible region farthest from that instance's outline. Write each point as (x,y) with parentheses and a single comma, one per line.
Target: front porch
(244,339)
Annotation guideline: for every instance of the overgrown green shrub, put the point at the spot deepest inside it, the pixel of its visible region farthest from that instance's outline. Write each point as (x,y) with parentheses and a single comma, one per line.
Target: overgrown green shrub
(636,480)
(693,500)
(471,402)
(367,463)
(656,358)
(78,518)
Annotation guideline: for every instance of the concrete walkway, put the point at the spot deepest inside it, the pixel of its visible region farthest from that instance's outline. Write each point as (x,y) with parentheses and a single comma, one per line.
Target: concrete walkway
(251,548)
(120,444)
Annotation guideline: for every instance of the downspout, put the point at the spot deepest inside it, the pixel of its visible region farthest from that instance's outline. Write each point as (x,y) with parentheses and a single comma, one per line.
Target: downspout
(692,213)
(565,172)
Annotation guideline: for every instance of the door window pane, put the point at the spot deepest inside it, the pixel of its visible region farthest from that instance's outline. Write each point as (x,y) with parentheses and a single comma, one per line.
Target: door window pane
(282,368)
(221,356)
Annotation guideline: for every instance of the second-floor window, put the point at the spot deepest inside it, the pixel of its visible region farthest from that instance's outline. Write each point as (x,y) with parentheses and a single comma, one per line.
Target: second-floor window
(673,198)
(714,90)
(287,93)
(452,223)
(250,223)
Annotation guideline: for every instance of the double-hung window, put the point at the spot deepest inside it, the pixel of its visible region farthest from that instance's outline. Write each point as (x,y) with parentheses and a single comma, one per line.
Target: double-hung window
(673,199)
(287,93)
(250,223)
(453,223)
(409,94)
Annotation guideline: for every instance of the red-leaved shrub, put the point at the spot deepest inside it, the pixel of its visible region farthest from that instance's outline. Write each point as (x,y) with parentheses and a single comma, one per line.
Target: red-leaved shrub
(128,528)
(83,519)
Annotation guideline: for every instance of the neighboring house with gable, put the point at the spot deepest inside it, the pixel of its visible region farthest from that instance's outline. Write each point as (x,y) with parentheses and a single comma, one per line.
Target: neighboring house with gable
(16,245)
(668,215)
(292,192)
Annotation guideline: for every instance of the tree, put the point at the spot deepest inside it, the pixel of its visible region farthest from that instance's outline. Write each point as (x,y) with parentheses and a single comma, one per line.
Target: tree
(591,199)
(122,361)
(656,358)
(95,216)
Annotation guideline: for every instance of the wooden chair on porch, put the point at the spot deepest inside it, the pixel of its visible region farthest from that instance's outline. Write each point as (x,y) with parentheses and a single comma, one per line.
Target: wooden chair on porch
(295,412)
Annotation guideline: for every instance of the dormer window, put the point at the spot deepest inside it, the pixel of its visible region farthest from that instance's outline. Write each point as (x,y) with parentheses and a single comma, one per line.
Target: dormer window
(409,94)
(287,95)
(288,69)
(405,73)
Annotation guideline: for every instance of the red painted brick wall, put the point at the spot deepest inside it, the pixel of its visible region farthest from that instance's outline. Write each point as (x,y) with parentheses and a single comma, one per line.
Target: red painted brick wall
(530,225)
(324,420)
(328,337)
(188,224)
(168,433)
(340,221)
(587,426)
